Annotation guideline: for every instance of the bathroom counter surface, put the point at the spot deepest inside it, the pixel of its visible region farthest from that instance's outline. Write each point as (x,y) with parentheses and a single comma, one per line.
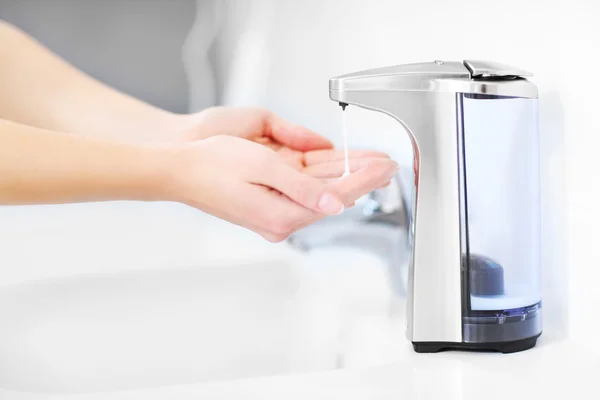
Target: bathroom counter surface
(554,367)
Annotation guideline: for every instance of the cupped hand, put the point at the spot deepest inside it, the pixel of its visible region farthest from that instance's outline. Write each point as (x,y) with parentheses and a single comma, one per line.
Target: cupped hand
(253,186)
(256,124)
(301,148)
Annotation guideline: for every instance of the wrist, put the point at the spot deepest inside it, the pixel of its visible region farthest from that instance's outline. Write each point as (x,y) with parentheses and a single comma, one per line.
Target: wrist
(165,171)
(197,126)
(169,127)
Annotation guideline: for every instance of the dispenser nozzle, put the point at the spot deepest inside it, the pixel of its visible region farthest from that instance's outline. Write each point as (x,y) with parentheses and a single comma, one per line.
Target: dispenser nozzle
(343,105)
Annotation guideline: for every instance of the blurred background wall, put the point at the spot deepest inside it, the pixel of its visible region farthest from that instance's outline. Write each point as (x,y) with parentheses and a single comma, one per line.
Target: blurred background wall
(132,45)
(280,54)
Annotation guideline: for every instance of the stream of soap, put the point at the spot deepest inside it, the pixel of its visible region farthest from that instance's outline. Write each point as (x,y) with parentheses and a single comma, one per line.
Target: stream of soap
(345,134)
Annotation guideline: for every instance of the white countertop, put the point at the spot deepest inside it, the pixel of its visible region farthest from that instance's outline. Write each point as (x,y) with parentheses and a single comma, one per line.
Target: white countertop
(554,367)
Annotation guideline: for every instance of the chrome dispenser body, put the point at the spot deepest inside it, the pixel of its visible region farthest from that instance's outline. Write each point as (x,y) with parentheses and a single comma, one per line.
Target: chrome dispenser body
(474,273)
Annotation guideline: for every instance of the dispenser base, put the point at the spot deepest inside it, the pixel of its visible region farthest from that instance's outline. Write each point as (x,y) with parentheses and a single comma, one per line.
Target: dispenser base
(502,347)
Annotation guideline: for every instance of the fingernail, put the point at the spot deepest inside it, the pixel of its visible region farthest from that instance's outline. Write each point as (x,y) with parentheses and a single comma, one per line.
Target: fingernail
(330,204)
(389,174)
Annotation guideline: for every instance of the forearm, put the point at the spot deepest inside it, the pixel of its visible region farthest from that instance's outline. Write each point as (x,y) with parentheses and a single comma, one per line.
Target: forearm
(46,167)
(40,89)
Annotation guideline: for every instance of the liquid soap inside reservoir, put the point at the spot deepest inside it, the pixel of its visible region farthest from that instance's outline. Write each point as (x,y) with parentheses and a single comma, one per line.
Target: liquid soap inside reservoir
(502,197)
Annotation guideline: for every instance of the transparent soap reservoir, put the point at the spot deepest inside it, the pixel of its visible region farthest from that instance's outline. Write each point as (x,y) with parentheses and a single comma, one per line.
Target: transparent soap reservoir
(502,249)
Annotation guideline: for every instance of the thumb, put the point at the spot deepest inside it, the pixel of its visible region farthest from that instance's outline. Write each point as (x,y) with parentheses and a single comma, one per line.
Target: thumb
(295,136)
(303,189)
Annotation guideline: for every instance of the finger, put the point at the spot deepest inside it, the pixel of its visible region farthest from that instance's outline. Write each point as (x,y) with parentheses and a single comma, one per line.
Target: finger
(353,187)
(321,156)
(350,188)
(295,136)
(332,169)
(329,181)
(301,188)
(272,215)
(286,216)
(311,219)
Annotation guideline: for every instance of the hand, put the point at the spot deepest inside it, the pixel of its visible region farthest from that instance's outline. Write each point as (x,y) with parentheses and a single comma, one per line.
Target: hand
(254,124)
(252,186)
(301,148)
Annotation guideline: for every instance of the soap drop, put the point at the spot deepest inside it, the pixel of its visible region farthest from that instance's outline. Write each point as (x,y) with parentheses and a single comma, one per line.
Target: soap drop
(345,135)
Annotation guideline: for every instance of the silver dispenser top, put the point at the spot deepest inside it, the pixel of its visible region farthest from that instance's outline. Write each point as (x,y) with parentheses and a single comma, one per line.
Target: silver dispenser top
(468,76)
(488,69)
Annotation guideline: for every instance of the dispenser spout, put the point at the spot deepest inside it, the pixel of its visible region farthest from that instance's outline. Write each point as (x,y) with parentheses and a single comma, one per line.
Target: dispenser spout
(343,105)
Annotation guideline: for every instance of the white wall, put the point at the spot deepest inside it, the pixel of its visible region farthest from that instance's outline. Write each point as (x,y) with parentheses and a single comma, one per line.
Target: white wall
(284,52)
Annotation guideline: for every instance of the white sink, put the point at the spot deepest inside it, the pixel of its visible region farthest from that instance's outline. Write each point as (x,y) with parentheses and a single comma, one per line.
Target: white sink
(153,328)
(108,316)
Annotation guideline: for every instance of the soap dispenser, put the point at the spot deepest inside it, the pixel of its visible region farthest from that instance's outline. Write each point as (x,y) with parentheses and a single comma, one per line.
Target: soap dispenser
(474,277)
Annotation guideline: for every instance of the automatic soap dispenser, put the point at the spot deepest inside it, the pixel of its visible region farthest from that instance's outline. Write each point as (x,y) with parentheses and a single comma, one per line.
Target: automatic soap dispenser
(474,279)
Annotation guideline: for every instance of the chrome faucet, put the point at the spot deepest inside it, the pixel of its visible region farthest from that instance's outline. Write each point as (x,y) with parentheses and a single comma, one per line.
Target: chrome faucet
(378,223)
